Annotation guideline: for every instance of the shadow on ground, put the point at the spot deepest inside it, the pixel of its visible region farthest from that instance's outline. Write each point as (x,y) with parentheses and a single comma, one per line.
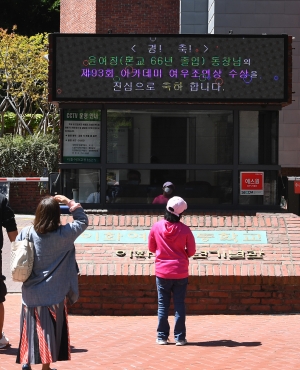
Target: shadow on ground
(225,343)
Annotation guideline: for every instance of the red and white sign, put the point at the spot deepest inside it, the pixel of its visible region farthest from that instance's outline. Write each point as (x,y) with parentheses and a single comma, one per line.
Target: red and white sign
(23,179)
(252,183)
(297,187)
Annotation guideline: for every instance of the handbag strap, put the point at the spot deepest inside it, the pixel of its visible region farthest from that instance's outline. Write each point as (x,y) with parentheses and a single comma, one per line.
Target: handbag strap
(27,234)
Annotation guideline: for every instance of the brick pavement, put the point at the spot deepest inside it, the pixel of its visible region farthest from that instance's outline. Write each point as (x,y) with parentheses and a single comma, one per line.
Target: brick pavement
(216,342)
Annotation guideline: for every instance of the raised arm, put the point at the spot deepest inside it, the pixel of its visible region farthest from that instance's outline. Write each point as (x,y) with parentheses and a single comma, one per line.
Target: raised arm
(81,221)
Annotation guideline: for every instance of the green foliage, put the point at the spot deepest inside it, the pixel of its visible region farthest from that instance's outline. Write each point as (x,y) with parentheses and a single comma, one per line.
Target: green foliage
(23,70)
(32,120)
(24,83)
(20,155)
(9,121)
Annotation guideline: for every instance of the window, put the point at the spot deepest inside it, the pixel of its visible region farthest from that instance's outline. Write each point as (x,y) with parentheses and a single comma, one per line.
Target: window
(82,185)
(258,142)
(196,137)
(201,152)
(197,187)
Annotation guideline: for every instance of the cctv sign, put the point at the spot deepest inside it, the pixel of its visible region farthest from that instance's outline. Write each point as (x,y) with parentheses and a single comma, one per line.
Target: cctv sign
(252,183)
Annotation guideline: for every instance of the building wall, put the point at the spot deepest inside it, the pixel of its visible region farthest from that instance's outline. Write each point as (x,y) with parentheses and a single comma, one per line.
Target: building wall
(193,16)
(271,17)
(132,16)
(123,16)
(25,196)
(78,16)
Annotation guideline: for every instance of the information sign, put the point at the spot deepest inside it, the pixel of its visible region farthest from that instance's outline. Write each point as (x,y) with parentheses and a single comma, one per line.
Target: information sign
(201,237)
(229,68)
(297,187)
(81,130)
(252,183)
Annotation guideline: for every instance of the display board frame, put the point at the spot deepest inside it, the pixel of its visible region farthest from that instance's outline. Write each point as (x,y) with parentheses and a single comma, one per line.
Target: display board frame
(69,82)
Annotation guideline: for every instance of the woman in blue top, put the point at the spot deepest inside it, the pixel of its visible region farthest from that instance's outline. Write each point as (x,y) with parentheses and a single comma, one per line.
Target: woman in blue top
(44,333)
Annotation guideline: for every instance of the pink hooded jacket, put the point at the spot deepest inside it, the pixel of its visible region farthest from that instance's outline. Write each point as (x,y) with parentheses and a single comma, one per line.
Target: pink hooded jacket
(173,244)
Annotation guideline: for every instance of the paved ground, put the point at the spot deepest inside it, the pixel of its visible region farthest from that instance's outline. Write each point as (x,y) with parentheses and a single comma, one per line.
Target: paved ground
(222,342)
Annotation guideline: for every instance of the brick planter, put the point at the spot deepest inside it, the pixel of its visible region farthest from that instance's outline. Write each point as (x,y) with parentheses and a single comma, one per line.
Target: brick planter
(136,295)
(113,284)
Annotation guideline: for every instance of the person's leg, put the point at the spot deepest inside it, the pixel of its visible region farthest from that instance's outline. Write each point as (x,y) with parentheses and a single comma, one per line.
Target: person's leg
(3,292)
(179,293)
(1,318)
(164,287)
(3,340)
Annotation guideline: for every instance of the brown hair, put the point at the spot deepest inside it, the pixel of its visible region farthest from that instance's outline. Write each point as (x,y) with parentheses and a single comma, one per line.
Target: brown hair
(47,216)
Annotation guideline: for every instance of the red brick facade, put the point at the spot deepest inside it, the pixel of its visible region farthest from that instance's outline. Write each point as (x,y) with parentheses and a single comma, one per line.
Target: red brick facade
(113,285)
(124,17)
(136,295)
(24,196)
(78,16)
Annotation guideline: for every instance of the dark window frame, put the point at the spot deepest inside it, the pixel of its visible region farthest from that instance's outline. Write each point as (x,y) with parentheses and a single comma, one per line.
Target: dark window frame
(103,166)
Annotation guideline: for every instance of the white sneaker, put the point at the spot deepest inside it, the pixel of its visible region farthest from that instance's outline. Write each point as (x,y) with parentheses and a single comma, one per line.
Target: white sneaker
(181,342)
(162,341)
(4,341)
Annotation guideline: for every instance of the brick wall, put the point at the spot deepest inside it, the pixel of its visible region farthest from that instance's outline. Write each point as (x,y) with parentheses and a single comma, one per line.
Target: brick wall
(130,16)
(136,295)
(111,284)
(24,197)
(138,16)
(78,16)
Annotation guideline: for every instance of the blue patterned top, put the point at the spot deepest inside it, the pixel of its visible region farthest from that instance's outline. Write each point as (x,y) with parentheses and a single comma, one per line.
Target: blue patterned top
(54,274)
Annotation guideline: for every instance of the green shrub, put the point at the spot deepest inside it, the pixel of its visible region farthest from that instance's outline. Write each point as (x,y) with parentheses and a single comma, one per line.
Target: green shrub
(20,155)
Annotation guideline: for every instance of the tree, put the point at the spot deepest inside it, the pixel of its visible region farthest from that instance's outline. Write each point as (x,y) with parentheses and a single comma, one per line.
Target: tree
(31,17)
(24,81)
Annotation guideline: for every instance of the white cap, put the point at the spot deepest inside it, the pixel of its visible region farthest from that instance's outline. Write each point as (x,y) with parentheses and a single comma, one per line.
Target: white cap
(177,204)
(167,184)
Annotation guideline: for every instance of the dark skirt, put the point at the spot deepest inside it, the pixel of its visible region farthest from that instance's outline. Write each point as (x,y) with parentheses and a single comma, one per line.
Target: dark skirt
(44,335)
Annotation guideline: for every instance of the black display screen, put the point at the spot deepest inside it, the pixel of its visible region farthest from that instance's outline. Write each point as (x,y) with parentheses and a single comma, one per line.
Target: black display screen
(206,68)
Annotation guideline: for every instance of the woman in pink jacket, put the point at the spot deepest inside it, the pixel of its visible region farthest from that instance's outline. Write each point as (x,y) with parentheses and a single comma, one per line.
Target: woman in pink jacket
(173,243)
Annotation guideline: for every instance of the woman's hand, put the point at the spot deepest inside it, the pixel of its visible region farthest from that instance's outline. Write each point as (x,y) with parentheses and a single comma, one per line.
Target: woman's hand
(61,199)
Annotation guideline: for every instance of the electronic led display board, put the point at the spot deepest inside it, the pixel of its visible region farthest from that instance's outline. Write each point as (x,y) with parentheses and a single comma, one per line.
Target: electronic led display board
(220,68)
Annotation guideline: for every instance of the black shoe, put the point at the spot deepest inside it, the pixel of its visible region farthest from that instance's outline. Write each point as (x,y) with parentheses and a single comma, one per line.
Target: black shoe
(26,367)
